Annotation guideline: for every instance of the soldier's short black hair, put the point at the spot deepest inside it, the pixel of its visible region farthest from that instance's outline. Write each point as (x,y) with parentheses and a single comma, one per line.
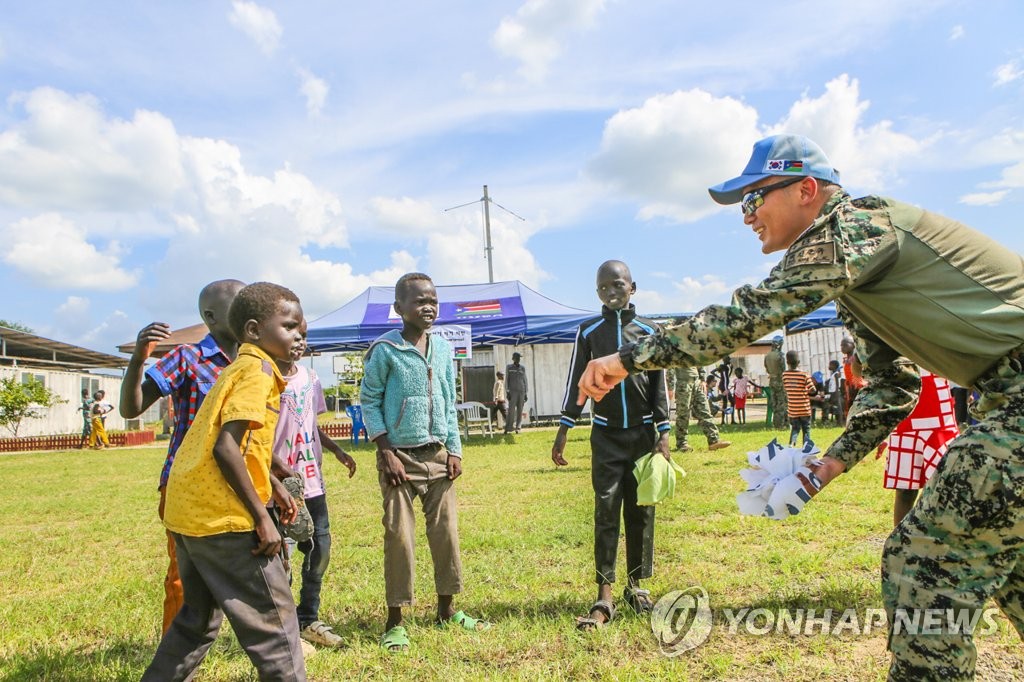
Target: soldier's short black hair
(257,302)
(404,280)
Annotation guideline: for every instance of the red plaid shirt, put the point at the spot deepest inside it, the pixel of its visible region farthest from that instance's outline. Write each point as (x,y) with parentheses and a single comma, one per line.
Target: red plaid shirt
(186,374)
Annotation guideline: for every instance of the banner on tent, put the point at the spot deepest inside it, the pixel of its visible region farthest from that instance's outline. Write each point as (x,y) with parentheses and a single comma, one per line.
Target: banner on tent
(451,312)
(460,336)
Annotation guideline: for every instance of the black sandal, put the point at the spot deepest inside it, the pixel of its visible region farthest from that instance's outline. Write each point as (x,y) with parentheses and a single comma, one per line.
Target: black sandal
(639,600)
(587,623)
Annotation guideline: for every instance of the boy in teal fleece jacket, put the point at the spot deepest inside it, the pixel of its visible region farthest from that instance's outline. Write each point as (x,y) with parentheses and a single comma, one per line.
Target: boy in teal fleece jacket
(408,399)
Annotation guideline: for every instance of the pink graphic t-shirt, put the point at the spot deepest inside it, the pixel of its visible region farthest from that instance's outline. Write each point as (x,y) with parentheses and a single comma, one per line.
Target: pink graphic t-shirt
(296,439)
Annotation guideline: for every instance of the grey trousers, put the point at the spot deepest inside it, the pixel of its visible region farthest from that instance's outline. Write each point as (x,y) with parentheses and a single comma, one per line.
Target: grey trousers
(220,576)
(427,469)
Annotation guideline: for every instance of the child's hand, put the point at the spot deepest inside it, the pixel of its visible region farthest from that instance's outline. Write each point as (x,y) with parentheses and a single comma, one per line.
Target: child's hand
(454,467)
(268,536)
(284,501)
(558,448)
(347,460)
(392,468)
(661,446)
(149,337)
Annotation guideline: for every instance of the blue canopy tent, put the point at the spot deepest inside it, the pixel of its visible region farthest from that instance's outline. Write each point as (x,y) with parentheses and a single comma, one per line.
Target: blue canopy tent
(498,313)
(825,316)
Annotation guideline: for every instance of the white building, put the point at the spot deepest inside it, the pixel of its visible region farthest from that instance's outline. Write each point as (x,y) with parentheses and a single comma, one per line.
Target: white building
(65,370)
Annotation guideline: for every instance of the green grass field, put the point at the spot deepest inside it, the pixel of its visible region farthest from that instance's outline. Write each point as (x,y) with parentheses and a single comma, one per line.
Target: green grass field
(81,575)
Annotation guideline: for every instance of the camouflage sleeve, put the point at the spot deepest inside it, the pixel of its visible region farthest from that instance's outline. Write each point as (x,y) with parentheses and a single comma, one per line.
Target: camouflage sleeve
(845,245)
(893,385)
(718,330)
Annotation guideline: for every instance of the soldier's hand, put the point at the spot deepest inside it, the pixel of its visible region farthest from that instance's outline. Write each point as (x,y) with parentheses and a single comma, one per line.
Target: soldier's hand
(600,376)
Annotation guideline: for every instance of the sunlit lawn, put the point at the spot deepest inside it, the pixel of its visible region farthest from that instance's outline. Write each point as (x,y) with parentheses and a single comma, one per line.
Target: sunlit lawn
(81,574)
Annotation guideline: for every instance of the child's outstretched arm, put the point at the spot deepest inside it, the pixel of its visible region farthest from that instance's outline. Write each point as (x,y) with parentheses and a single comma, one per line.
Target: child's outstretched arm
(227,453)
(342,456)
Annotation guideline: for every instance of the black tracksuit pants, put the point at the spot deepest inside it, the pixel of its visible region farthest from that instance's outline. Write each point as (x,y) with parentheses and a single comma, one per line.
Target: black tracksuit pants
(614,452)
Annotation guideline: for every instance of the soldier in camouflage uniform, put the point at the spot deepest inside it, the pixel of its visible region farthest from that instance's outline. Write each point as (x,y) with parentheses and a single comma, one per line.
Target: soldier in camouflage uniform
(908,284)
(775,365)
(691,399)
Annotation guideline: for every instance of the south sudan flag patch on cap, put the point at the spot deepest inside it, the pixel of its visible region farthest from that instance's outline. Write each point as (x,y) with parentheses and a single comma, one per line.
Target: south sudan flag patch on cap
(784,166)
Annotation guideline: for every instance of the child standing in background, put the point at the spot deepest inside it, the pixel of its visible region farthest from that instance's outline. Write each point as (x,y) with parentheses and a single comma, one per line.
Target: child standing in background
(300,441)
(799,389)
(741,386)
(100,409)
(408,397)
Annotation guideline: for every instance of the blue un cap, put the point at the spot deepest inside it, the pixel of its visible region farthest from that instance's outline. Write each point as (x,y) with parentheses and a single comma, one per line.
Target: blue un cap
(789,155)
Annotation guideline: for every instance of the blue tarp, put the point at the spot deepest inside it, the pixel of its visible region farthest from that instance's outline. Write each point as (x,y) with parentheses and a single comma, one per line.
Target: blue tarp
(498,313)
(825,316)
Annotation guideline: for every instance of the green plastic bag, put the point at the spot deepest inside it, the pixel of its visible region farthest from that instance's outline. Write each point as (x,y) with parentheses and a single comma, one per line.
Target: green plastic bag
(655,478)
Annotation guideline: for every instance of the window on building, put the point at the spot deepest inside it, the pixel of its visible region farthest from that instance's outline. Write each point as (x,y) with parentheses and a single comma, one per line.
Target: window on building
(28,378)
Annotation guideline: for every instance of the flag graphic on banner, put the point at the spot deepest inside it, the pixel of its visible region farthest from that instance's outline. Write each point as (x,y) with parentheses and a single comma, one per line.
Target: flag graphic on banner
(476,308)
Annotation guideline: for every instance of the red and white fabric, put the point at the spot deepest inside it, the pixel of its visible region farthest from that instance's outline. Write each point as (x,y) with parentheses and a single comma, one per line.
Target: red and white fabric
(920,440)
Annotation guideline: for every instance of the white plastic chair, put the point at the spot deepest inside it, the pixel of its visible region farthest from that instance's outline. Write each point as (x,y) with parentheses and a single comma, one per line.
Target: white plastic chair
(476,414)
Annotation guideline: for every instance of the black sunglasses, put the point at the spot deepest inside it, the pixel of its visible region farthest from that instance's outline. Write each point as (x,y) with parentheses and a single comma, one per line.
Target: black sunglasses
(755,199)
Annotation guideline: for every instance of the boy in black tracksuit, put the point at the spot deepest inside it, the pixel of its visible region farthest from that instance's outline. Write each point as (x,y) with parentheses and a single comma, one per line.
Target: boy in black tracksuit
(629,422)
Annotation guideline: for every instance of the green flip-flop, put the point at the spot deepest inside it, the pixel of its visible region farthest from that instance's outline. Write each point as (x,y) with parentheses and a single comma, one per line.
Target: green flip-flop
(460,619)
(395,640)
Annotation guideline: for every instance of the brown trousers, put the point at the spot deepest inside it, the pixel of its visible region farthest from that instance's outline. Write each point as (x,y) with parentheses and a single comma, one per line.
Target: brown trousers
(427,469)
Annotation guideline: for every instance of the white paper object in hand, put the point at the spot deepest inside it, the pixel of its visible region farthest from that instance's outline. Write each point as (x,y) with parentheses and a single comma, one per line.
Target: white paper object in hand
(774,466)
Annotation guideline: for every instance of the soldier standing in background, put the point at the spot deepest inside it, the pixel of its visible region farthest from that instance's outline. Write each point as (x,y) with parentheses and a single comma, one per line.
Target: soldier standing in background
(518,386)
(775,365)
(692,399)
(909,284)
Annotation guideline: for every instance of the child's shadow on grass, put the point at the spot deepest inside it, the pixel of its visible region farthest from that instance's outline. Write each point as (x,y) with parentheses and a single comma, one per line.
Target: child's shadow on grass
(120,660)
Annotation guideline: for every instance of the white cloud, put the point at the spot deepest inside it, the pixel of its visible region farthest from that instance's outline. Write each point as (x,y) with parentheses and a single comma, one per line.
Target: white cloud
(315,91)
(220,218)
(67,154)
(866,156)
(669,150)
(1008,72)
(259,23)
(534,35)
(984,198)
(53,252)
(956,33)
(74,316)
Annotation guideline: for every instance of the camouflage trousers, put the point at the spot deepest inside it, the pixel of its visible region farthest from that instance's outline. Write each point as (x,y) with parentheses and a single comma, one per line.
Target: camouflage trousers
(691,399)
(963,543)
(780,419)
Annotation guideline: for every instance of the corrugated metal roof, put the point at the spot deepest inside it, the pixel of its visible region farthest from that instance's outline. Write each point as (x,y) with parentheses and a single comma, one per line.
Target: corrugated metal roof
(23,348)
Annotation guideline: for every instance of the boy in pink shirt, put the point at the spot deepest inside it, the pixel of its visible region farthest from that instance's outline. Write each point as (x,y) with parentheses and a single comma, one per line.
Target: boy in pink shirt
(299,440)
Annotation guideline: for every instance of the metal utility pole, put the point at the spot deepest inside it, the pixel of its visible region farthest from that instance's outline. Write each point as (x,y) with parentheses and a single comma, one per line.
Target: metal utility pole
(486,200)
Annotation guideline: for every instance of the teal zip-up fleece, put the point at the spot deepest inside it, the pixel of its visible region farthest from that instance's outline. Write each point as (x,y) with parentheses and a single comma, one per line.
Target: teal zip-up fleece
(408,396)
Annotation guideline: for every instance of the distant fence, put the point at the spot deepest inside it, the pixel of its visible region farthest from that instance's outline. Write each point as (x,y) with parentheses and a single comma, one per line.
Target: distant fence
(72,441)
(338,429)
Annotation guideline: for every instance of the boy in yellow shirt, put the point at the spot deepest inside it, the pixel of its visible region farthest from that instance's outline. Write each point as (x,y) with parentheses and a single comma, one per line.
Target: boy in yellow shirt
(228,545)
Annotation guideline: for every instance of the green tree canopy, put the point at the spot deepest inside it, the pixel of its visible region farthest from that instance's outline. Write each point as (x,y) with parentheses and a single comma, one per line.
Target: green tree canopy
(17,326)
(20,401)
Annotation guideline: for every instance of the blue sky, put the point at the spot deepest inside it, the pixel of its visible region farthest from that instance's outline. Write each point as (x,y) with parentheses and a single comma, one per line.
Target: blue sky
(148,148)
